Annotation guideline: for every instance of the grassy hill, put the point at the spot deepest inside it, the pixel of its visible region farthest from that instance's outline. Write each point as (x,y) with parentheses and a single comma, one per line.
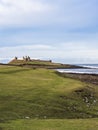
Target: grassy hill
(27,93)
(40,64)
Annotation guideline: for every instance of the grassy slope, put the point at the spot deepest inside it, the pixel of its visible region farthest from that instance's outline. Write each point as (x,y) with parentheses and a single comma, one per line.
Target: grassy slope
(32,62)
(41,93)
(41,64)
(52,124)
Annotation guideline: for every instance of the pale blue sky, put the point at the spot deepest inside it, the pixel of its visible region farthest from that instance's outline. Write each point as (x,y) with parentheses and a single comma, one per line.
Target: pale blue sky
(62,30)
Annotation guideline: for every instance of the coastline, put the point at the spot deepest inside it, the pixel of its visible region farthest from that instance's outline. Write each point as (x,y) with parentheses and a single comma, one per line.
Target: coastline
(42,65)
(88,78)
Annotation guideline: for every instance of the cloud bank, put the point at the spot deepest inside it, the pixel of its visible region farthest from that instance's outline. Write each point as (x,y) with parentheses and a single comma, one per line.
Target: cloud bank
(24,12)
(64,52)
(56,29)
(72,13)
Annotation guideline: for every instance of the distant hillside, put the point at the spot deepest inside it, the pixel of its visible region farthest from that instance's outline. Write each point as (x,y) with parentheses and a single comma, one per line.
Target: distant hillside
(40,64)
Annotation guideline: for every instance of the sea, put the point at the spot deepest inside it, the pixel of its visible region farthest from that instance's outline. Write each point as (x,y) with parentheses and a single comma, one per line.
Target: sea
(91,69)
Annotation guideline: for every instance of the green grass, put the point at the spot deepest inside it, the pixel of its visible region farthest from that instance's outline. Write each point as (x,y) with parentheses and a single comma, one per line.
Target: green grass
(56,124)
(42,94)
(34,62)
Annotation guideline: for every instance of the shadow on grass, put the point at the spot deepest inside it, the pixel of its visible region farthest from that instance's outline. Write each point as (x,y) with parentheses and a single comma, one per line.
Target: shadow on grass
(1,128)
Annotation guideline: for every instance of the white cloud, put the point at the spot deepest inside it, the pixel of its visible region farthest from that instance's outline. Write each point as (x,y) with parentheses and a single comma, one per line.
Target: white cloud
(32,50)
(13,12)
(79,53)
(67,13)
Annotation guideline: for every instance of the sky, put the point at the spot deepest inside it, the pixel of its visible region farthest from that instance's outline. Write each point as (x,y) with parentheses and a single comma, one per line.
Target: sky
(61,30)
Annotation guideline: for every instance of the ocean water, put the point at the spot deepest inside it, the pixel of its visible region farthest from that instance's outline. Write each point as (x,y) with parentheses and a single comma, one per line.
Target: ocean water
(93,66)
(91,69)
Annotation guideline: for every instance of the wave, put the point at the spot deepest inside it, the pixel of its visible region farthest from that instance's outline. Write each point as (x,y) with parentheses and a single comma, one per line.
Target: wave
(81,71)
(92,66)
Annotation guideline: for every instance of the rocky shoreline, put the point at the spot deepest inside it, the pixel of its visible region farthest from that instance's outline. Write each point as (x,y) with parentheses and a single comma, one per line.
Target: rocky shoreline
(88,78)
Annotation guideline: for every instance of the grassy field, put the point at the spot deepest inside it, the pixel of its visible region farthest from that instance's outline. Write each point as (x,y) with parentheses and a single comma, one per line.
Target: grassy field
(39,95)
(52,124)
